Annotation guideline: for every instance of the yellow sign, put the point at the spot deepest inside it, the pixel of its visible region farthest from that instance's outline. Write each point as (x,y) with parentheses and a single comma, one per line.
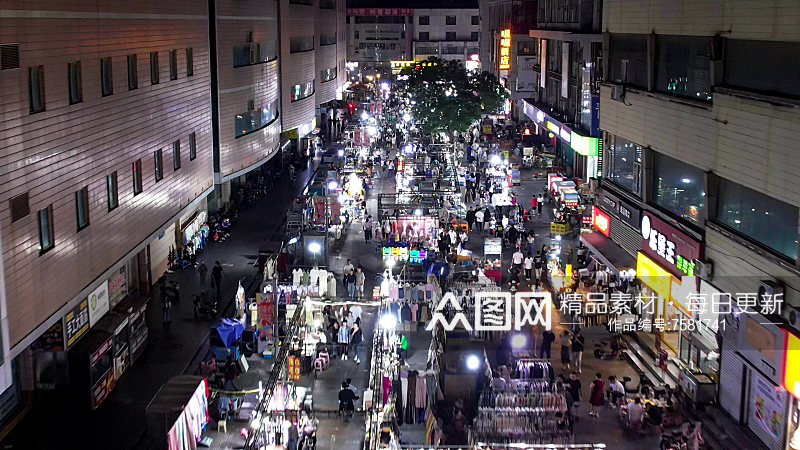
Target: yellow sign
(653,275)
(553,127)
(402,64)
(791,370)
(505,49)
(291,134)
(559,228)
(568,274)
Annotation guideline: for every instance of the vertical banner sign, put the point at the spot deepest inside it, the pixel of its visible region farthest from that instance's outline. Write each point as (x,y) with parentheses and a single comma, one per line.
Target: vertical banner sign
(98,303)
(565,69)
(505,49)
(543,63)
(117,289)
(76,322)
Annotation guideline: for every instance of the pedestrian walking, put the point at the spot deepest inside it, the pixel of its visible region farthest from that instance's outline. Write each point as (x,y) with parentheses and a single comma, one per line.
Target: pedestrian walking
(356,339)
(360,279)
(350,283)
(203,271)
(538,263)
(479,220)
(533,203)
(530,239)
(547,342)
(344,339)
(517,259)
(216,278)
(166,305)
(348,267)
(596,395)
(539,204)
(577,350)
(565,340)
(528,266)
(470,218)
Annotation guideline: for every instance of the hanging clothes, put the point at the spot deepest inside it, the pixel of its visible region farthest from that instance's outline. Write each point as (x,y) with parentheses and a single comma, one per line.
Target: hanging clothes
(421,391)
(410,399)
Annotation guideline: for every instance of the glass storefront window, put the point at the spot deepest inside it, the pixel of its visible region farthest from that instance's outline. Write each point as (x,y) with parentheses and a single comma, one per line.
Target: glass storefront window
(624,163)
(679,188)
(760,217)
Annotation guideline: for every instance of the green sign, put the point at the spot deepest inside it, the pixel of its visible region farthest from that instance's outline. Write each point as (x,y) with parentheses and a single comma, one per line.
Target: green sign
(583,145)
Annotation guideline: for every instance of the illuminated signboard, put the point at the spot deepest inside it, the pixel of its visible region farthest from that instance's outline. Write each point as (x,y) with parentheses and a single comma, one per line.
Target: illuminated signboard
(791,370)
(553,127)
(600,220)
(651,274)
(402,64)
(566,134)
(505,49)
(584,145)
(673,249)
(403,254)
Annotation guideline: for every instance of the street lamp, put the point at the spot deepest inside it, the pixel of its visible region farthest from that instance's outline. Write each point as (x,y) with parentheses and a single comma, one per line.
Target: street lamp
(473,362)
(388,321)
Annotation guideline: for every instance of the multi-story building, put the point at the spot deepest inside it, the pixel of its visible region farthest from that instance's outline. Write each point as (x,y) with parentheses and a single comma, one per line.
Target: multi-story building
(107,152)
(447,33)
(117,141)
(557,76)
(377,36)
(697,112)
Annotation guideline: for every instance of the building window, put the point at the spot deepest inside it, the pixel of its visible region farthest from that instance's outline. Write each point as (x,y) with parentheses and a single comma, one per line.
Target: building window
(683,66)
(424,20)
(299,44)
(106,77)
(327,39)
(760,217)
(450,35)
(252,120)
(301,2)
(192,146)
(46,241)
(476,20)
(449,20)
(159,164)
(424,36)
(628,59)
(327,75)
(189,62)
(9,56)
(173,64)
(136,171)
(176,155)
(327,4)
(475,35)
(112,191)
(301,91)
(133,73)
(679,188)
(526,47)
(761,66)
(154,77)
(75,88)
(255,53)
(82,208)
(36,88)
(624,163)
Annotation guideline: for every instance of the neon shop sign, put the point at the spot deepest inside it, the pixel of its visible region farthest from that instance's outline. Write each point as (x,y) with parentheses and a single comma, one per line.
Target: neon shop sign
(403,254)
(679,253)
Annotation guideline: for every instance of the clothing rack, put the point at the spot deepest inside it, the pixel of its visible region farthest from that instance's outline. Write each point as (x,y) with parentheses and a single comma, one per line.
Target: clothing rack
(542,400)
(533,368)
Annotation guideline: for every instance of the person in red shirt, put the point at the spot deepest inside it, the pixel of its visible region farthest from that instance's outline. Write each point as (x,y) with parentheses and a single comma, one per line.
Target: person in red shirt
(533,204)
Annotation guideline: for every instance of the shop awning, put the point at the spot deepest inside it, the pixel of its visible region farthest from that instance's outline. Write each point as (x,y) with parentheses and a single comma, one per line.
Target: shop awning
(608,252)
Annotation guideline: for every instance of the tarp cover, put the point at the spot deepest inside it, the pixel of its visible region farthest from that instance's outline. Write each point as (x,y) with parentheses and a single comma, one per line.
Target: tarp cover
(229,330)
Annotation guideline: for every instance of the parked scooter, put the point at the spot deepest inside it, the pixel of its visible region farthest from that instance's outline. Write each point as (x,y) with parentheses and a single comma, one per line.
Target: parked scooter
(171,289)
(618,347)
(205,307)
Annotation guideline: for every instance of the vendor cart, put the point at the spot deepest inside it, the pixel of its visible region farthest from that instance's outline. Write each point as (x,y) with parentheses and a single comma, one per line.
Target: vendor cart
(225,339)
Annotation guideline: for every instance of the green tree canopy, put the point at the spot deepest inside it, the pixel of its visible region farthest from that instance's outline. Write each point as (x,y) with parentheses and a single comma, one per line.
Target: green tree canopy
(449,99)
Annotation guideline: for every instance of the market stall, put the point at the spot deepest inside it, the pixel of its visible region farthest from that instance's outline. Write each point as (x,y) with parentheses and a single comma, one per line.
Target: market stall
(178,414)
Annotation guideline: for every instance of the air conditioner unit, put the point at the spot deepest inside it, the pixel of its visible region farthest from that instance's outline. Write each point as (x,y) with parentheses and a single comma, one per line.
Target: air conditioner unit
(253,53)
(791,315)
(770,289)
(618,92)
(703,269)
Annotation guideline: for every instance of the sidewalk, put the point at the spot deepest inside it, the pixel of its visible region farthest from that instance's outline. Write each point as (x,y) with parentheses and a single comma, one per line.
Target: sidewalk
(120,422)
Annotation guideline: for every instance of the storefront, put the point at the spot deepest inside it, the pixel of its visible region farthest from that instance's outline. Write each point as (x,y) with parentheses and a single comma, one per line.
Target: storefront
(791,382)
(698,349)
(667,257)
(584,161)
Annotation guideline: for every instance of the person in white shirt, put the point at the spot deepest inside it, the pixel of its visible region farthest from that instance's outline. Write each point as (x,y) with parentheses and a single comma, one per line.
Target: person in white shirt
(528,266)
(516,259)
(348,267)
(356,310)
(479,220)
(635,412)
(615,390)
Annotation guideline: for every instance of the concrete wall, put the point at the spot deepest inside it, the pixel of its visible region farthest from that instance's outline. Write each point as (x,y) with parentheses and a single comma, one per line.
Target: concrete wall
(297,68)
(326,56)
(54,153)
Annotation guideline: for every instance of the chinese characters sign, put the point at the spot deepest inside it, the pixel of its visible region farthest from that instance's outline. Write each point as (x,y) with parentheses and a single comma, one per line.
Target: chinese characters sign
(76,322)
(600,220)
(672,249)
(380,11)
(505,49)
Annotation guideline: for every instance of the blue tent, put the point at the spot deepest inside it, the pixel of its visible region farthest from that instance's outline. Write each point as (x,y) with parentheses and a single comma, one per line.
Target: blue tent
(439,269)
(228,330)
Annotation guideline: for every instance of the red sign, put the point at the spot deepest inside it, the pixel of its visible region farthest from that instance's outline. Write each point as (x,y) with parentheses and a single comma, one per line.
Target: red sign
(600,220)
(266,311)
(667,245)
(102,388)
(380,11)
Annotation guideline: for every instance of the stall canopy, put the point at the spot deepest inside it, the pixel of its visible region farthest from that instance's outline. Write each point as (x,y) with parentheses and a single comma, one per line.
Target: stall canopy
(228,330)
(608,252)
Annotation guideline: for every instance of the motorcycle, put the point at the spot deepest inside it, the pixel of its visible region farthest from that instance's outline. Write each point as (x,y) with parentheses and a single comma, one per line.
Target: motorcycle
(205,307)
(618,348)
(170,289)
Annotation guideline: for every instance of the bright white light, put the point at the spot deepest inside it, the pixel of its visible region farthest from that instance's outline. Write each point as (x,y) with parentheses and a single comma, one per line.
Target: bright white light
(372,130)
(519,341)
(390,262)
(418,212)
(737,221)
(314,247)
(473,362)
(292,241)
(408,148)
(341,152)
(385,86)
(686,180)
(333,184)
(496,159)
(388,321)
(407,117)
(364,115)
(558,237)
(317,323)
